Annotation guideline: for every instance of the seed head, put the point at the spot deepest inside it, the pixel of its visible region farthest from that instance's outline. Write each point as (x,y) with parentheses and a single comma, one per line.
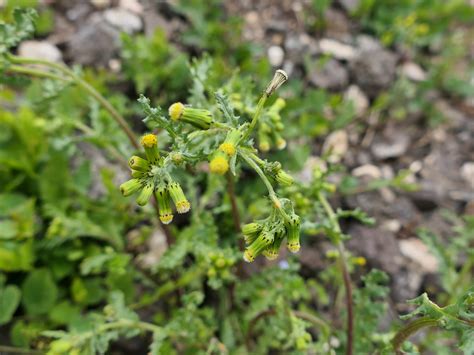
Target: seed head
(278,79)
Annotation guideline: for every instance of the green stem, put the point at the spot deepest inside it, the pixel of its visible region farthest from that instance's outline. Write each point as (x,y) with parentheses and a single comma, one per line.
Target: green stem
(34,72)
(314,320)
(168,287)
(256,116)
(345,271)
(86,87)
(410,329)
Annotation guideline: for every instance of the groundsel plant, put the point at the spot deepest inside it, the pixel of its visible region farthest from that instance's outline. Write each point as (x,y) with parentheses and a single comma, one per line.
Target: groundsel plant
(229,142)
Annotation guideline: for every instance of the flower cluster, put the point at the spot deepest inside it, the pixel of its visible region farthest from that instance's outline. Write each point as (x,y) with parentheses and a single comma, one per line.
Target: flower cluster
(265,236)
(150,176)
(229,142)
(219,163)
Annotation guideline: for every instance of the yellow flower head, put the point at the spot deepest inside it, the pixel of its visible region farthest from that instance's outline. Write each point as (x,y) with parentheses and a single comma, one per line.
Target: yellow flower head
(149,140)
(166,218)
(228,148)
(183,206)
(176,110)
(219,165)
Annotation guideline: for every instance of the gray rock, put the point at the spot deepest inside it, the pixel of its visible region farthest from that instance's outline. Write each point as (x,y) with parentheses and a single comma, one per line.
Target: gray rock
(374,70)
(40,50)
(392,146)
(331,75)
(337,49)
(358,98)
(95,43)
(123,20)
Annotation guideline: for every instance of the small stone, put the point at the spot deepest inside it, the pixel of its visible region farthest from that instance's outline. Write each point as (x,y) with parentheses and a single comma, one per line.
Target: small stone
(100,4)
(395,146)
(417,251)
(95,43)
(391,225)
(132,6)
(331,75)
(467,173)
(124,20)
(367,170)
(275,56)
(40,50)
(358,98)
(367,43)
(336,145)
(337,49)
(413,71)
(374,70)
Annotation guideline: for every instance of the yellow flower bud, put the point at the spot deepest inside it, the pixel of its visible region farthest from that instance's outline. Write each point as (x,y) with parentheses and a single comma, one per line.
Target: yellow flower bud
(219,164)
(176,110)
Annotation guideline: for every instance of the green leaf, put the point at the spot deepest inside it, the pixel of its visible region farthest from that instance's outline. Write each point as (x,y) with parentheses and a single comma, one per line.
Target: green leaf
(39,292)
(16,256)
(22,28)
(9,301)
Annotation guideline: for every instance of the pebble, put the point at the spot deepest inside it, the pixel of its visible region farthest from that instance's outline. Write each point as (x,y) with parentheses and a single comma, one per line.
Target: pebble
(374,70)
(124,20)
(396,146)
(467,173)
(336,145)
(413,71)
(349,5)
(132,5)
(100,4)
(275,56)
(367,170)
(337,49)
(40,50)
(417,251)
(358,98)
(331,75)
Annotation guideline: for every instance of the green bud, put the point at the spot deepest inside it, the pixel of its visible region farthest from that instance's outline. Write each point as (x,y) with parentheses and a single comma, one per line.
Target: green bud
(278,105)
(150,143)
(199,118)
(251,228)
(293,233)
(137,163)
(130,187)
(271,252)
(229,146)
(177,195)
(264,239)
(137,174)
(284,178)
(145,194)
(163,199)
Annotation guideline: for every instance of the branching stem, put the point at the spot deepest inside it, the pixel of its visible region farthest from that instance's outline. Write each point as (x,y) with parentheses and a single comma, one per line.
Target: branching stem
(345,271)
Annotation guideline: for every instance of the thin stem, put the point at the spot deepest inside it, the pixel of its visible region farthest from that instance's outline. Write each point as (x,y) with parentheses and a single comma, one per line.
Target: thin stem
(256,116)
(258,170)
(233,202)
(34,72)
(410,329)
(345,272)
(168,287)
(88,88)
(313,319)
